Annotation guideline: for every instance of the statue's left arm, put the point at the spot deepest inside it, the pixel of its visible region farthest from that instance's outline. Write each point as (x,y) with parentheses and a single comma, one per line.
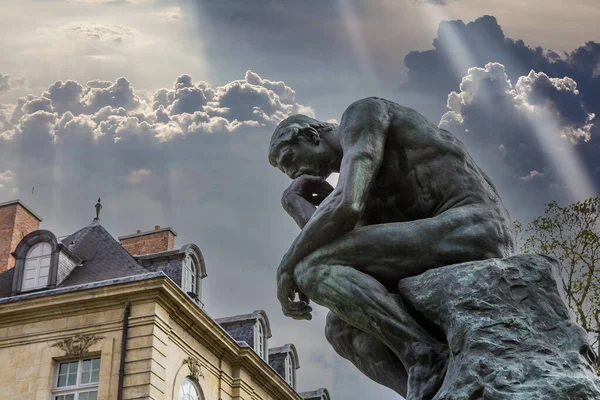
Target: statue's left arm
(363,131)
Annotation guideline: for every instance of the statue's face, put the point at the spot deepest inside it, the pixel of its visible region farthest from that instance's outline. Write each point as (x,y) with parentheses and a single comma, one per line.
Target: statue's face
(305,156)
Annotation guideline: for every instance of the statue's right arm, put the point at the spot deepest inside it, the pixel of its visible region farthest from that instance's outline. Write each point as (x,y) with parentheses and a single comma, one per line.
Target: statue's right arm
(363,128)
(300,209)
(301,198)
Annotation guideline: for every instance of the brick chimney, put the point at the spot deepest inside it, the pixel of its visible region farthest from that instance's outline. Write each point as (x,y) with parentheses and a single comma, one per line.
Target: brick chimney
(149,242)
(16,221)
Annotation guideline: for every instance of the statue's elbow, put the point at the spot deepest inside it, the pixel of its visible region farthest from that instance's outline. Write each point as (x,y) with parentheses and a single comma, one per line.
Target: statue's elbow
(350,212)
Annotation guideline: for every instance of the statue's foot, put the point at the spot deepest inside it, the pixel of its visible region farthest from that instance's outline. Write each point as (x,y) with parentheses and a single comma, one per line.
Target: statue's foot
(426,376)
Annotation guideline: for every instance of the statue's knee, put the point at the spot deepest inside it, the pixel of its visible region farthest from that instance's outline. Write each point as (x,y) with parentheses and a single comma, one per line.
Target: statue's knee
(306,277)
(333,326)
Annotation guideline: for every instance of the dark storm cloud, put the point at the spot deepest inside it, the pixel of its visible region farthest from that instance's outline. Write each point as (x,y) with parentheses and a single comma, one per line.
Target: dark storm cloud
(490,111)
(434,70)
(523,134)
(567,86)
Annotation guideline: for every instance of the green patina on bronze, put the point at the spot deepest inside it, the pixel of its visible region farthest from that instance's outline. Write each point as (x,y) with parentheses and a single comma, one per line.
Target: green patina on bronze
(409,201)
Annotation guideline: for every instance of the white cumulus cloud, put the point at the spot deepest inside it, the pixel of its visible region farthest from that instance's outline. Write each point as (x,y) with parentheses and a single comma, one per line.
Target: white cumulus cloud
(533,125)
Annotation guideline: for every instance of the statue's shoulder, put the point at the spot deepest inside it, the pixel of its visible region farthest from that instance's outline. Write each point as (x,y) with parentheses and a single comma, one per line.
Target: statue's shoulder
(368,100)
(366,107)
(389,105)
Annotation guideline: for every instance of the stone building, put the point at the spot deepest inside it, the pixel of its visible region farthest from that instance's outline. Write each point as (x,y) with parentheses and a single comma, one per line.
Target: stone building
(319,394)
(87,317)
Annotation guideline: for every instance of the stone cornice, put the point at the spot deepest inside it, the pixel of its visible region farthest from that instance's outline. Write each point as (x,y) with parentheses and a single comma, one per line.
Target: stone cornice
(162,290)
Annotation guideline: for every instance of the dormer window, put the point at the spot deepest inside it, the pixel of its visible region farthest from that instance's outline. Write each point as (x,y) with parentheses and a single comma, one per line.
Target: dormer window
(290,371)
(284,360)
(190,276)
(41,262)
(37,266)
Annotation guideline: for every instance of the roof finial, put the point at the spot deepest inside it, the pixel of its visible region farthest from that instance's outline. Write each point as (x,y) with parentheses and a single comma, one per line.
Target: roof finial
(98,208)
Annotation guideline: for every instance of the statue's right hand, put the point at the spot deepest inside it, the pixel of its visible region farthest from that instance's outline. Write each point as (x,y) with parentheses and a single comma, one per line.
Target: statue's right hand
(312,188)
(286,293)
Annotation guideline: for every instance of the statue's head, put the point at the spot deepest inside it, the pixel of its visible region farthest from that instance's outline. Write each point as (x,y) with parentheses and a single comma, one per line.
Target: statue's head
(297,147)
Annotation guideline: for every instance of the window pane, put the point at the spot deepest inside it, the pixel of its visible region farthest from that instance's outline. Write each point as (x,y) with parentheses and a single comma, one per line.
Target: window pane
(188,391)
(31,265)
(67,374)
(35,251)
(72,378)
(29,283)
(95,376)
(62,381)
(45,261)
(73,367)
(30,274)
(43,281)
(46,249)
(78,374)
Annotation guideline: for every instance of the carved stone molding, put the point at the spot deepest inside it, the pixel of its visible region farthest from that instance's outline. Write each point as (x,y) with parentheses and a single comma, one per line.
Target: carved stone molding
(77,345)
(195,368)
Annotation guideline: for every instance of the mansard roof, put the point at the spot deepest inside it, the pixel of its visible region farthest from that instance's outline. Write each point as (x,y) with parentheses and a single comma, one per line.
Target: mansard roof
(284,351)
(319,394)
(258,315)
(103,256)
(98,255)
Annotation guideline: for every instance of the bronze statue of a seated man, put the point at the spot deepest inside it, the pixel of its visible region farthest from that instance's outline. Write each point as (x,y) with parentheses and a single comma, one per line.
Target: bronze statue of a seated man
(409,198)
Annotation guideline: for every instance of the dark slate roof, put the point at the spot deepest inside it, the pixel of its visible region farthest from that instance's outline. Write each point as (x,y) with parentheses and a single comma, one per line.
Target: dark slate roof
(319,394)
(170,262)
(240,319)
(103,257)
(275,352)
(6,281)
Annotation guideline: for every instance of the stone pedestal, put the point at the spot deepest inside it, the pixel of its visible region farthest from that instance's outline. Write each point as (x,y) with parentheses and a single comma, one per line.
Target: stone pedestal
(510,333)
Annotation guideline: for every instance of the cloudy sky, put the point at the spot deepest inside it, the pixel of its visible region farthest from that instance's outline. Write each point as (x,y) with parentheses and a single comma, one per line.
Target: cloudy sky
(164,109)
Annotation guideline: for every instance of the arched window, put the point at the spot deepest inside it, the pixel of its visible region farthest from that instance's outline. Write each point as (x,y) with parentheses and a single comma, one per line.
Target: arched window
(37,266)
(289,370)
(260,340)
(190,276)
(189,390)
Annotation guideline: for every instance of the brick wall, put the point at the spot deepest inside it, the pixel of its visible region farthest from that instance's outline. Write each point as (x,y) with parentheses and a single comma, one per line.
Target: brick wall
(15,223)
(149,242)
